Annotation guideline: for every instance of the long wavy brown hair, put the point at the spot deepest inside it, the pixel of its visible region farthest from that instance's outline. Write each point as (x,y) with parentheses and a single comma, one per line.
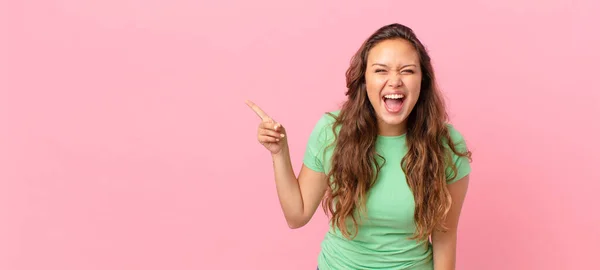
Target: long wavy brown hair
(356,164)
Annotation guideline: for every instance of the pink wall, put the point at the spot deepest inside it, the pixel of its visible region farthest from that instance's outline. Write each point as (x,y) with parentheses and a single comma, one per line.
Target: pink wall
(126,143)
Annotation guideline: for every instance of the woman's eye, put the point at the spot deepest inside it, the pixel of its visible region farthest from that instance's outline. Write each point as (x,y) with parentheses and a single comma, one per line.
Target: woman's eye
(410,71)
(379,70)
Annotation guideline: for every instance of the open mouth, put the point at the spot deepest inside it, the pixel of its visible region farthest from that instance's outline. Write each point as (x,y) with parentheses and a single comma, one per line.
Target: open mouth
(393,102)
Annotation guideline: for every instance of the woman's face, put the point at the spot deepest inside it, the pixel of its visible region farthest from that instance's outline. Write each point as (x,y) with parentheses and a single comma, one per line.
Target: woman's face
(393,82)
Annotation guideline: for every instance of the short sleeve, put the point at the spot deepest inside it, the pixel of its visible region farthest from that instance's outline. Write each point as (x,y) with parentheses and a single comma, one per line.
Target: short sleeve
(317,142)
(462,163)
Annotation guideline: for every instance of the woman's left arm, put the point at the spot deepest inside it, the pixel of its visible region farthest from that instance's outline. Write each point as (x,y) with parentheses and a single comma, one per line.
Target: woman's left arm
(444,243)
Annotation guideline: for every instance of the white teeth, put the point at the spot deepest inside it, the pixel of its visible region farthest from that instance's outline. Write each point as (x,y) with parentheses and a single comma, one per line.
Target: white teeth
(395,96)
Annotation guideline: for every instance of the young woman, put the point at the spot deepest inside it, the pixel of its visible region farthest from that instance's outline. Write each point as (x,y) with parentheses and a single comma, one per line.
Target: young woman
(389,170)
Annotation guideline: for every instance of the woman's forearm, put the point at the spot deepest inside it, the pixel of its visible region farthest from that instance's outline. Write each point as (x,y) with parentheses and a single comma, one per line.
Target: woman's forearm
(288,189)
(444,250)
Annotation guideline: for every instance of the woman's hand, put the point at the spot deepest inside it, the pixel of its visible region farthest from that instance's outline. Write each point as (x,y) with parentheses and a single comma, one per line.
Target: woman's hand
(270,133)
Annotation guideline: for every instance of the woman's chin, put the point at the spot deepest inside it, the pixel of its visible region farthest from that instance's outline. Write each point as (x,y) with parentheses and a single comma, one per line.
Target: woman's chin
(392,120)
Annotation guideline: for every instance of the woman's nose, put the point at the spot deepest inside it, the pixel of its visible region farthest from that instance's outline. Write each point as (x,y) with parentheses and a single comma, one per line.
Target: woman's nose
(395,81)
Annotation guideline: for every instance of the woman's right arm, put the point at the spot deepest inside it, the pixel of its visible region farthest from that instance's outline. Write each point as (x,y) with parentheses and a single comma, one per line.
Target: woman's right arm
(300,196)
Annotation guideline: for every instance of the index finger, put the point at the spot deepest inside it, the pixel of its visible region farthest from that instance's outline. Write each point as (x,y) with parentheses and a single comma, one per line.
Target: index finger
(257,110)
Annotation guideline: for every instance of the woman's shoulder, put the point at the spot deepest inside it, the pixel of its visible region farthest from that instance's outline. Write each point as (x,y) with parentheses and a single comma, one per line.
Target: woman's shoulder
(456,136)
(453,131)
(327,119)
(323,129)
(319,140)
(331,116)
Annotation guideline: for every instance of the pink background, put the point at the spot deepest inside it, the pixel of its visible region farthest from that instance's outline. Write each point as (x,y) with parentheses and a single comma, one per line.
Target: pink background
(126,143)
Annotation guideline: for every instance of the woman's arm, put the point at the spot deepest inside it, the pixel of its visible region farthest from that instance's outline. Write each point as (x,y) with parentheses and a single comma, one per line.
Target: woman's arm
(299,196)
(444,243)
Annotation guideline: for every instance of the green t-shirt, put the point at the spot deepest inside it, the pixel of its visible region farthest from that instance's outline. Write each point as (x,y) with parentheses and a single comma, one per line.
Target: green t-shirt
(382,241)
